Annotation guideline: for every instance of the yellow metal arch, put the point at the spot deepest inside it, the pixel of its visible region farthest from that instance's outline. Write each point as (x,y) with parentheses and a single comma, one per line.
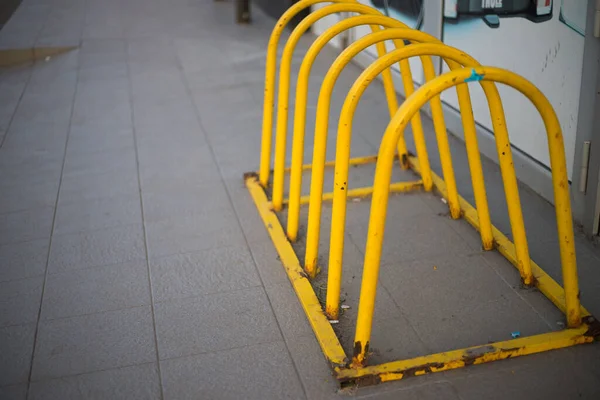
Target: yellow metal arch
(314,216)
(300,123)
(284,88)
(383,175)
(322,126)
(301,101)
(293,214)
(270,72)
(454,58)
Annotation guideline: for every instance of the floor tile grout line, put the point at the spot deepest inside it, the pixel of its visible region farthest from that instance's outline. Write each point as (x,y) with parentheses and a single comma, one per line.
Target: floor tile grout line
(184,253)
(407,319)
(145,235)
(16,325)
(92,372)
(223,350)
(213,155)
(520,296)
(32,65)
(31,239)
(74,270)
(402,312)
(133,260)
(94,230)
(41,29)
(22,210)
(494,270)
(21,278)
(199,296)
(112,310)
(39,320)
(481,254)
(14,113)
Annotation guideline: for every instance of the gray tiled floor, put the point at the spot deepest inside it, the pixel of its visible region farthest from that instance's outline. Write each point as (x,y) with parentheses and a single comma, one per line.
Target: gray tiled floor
(134,265)
(93,342)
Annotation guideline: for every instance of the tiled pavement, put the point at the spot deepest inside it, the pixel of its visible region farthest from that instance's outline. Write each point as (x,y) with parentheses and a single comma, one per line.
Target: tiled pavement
(133,263)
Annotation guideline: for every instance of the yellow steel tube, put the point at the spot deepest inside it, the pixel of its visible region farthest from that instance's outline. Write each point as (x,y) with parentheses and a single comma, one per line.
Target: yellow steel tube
(293,214)
(469,356)
(474,157)
(336,248)
(300,123)
(319,150)
(511,190)
(270,71)
(340,187)
(284,87)
(507,170)
(383,175)
(441,134)
(353,161)
(320,140)
(324,333)
(397,187)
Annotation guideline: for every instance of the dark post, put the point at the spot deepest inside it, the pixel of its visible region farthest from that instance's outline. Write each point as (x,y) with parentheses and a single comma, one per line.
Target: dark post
(242,11)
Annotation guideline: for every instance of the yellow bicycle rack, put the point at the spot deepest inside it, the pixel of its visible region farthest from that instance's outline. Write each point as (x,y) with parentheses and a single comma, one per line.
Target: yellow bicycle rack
(581,326)
(271,71)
